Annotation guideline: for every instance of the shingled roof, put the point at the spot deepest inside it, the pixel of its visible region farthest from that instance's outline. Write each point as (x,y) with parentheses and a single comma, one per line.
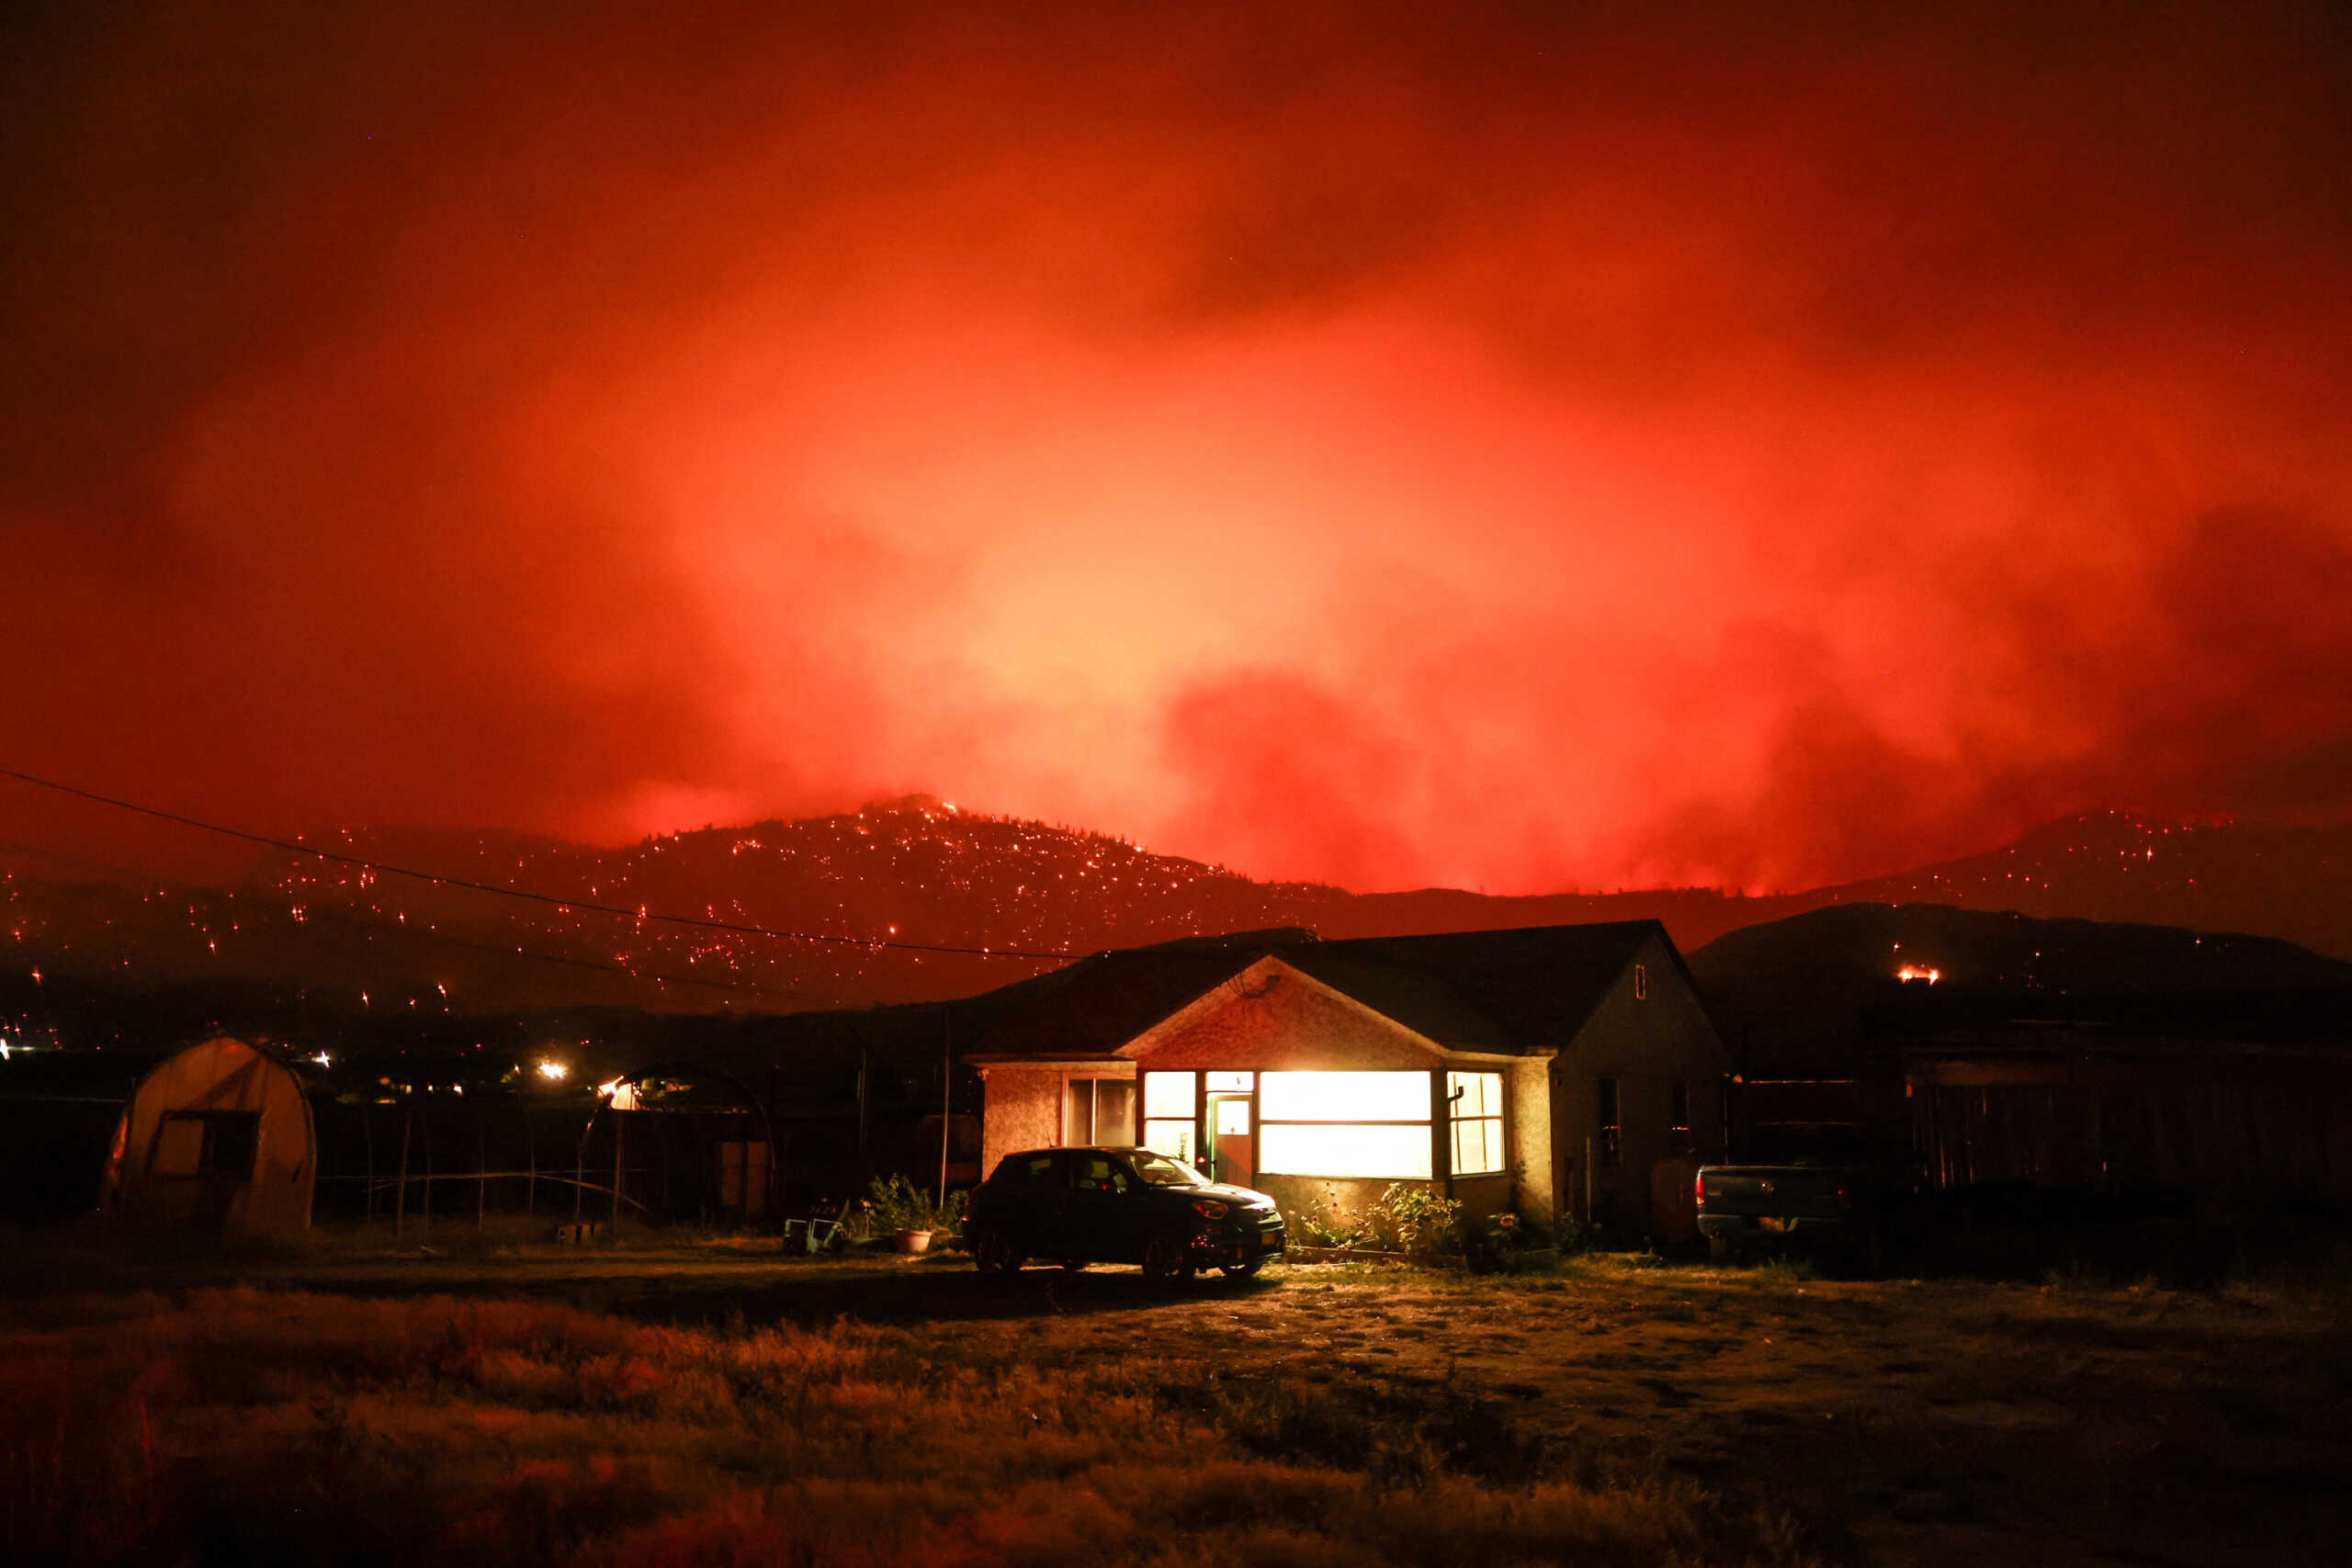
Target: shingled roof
(1507,992)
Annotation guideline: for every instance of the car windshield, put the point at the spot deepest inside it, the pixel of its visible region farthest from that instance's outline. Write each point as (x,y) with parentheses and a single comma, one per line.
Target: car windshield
(1162,1171)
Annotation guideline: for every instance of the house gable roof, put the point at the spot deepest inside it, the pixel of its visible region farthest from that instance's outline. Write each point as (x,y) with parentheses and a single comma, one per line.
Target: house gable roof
(1512,991)
(1272,973)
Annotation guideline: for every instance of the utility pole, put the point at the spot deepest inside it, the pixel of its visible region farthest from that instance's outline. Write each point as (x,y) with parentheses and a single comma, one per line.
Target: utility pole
(946,1091)
(865,1109)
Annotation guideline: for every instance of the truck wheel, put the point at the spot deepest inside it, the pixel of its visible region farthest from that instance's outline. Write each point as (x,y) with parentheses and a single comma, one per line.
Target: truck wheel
(1719,1248)
(1243,1271)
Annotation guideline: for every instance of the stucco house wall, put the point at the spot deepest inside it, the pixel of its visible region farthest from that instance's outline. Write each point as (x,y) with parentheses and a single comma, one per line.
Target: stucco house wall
(1024,1106)
(1528,1131)
(1271,1017)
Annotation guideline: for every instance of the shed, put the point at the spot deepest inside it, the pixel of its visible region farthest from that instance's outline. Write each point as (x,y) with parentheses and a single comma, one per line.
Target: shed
(217,1139)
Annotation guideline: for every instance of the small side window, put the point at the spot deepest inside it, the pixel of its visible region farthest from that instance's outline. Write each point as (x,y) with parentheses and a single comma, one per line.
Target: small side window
(1612,1130)
(207,1142)
(1641,982)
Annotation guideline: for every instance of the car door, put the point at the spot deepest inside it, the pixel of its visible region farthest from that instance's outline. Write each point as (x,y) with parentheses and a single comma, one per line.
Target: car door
(1030,1213)
(1099,1212)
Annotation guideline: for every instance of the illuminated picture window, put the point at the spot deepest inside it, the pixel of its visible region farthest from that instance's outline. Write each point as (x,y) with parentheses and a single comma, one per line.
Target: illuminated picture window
(1477,1107)
(1170,1107)
(1345,1124)
(1344,1097)
(1230,1083)
(1396,1151)
(1168,1095)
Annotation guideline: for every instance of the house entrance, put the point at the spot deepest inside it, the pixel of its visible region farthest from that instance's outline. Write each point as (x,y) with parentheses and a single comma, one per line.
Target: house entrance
(1229,1140)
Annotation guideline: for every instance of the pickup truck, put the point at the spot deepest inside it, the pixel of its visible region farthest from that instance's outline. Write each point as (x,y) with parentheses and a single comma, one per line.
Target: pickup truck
(1747,1209)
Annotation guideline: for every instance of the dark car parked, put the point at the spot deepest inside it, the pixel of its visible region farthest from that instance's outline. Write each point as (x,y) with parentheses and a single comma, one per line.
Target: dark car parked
(1118,1205)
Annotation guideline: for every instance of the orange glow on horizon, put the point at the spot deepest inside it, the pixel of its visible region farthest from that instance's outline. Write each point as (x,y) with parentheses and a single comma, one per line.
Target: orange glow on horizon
(1518,449)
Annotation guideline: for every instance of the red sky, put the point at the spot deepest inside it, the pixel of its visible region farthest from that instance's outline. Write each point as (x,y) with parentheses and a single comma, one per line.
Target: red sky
(1762,445)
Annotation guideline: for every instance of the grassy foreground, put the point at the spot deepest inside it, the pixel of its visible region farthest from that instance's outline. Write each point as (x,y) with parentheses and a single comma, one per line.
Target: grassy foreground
(360,1401)
(237,1426)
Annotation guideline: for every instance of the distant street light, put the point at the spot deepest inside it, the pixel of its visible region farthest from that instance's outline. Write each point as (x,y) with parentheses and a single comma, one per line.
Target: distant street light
(552,1070)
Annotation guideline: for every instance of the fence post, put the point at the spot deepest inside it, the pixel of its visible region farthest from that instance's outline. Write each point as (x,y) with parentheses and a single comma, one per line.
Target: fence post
(481,1168)
(580,1166)
(425,1197)
(619,1138)
(400,1214)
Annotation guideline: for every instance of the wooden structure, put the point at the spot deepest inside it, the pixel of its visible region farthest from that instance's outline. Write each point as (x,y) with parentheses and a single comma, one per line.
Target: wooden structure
(2242,1097)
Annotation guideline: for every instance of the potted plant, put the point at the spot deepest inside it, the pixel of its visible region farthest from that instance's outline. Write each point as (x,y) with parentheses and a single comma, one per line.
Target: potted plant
(905,1213)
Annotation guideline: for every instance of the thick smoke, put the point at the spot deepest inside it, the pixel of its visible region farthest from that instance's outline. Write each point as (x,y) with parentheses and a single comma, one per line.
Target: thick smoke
(1499,450)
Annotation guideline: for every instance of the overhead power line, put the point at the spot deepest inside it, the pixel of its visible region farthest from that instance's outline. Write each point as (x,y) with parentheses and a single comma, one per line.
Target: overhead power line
(527,894)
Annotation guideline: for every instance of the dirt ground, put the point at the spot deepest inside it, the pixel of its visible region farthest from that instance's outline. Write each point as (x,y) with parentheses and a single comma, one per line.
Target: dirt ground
(1897,1422)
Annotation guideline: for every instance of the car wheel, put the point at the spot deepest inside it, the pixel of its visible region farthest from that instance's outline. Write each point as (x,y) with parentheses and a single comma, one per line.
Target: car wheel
(993,1253)
(1243,1271)
(1168,1257)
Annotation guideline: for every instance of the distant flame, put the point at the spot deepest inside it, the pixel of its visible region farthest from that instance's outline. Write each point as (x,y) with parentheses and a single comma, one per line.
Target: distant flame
(1910,972)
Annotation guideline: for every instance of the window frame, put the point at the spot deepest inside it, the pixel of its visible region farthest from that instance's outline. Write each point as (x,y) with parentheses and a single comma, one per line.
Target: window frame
(210,1124)
(1456,1121)
(1184,1126)
(1609,1119)
(1426,1121)
(1095,1110)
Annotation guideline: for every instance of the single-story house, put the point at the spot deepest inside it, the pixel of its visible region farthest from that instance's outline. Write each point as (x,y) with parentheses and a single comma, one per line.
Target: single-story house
(1549,1068)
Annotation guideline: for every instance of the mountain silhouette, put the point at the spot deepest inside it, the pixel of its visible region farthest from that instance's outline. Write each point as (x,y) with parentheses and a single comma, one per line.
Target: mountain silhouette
(336,939)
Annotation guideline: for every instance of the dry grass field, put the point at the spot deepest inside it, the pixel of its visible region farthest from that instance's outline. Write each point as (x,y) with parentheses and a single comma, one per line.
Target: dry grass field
(707,1405)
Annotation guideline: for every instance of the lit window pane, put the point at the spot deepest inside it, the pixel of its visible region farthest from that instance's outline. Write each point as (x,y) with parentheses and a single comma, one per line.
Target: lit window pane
(1478,1147)
(1343,1097)
(1232,1117)
(1229,1083)
(1173,1139)
(1482,1093)
(1398,1152)
(1167,1094)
